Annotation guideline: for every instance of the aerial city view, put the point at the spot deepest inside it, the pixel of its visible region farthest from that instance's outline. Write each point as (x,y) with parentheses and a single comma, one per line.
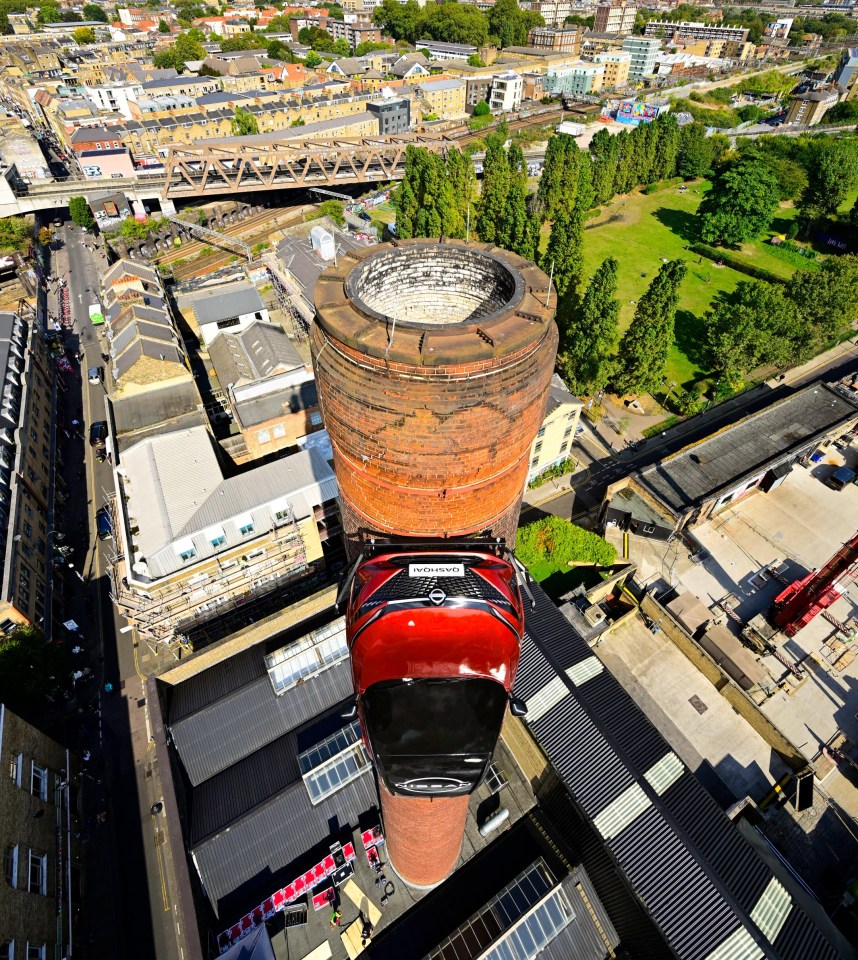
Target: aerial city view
(429,480)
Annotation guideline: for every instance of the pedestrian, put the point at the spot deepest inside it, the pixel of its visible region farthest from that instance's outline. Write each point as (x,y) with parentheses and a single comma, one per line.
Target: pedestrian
(336,917)
(87,756)
(366,930)
(108,687)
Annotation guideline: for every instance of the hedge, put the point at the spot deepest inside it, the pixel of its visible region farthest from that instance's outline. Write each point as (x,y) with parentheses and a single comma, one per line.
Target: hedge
(662,185)
(712,253)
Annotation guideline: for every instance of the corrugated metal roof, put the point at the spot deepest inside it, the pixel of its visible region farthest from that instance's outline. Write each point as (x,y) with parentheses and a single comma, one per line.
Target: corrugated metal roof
(738,946)
(275,835)
(218,736)
(697,875)
(772,910)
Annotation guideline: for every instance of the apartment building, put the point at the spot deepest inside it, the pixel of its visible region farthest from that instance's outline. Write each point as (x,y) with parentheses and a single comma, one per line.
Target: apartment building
(643,52)
(846,73)
(26,472)
(579,79)
(553,442)
(553,12)
(615,17)
(445,97)
(193,543)
(809,108)
(561,39)
(694,31)
(353,32)
(506,93)
(617,64)
(39,824)
(271,393)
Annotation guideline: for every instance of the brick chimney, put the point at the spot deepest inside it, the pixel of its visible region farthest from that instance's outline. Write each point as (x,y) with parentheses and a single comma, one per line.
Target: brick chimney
(433,362)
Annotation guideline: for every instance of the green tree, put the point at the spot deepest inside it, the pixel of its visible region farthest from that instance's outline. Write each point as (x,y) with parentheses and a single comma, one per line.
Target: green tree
(332,209)
(463,182)
(92,11)
(278,50)
(83,35)
(456,23)
(163,26)
(16,235)
(563,254)
(758,324)
(402,21)
(341,47)
(474,60)
(434,195)
(31,670)
(312,60)
(740,205)
(514,231)
(244,123)
(604,151)
(184,48)
(369,46)
(588,336)
(481,109)
(827,298)
(665,148)
(496,182)
(510,24)
(644,347)
(853,214)
(567,178)
(80,213)
(244,41)
(696,152)
(555,543)
(832,171)
(49,13)
(278,24)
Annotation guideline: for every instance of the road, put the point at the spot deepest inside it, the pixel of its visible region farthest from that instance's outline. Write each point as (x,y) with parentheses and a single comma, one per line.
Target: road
(130,892)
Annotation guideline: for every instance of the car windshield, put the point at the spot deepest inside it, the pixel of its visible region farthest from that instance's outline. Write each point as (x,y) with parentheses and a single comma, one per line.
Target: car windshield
(434,717)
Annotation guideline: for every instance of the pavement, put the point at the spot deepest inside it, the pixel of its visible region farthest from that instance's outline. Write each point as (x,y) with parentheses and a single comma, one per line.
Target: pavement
(128,906)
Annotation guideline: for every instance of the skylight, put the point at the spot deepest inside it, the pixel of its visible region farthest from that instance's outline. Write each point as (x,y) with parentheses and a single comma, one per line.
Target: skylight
(308,656)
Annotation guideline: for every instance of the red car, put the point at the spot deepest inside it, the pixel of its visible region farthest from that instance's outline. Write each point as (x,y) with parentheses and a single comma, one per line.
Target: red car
(434,637)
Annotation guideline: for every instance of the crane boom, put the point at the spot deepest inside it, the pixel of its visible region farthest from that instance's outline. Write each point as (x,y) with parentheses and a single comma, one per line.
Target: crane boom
(801,601)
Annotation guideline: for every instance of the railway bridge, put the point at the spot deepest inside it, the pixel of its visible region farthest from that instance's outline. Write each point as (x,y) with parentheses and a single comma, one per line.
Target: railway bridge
(269,161)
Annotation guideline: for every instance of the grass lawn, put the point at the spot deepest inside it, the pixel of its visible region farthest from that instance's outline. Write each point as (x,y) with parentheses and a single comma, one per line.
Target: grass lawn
(649,228)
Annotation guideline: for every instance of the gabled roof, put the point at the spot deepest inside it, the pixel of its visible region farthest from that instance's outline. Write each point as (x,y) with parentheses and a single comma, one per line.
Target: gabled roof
(129,268)
(260,351)
(348,66)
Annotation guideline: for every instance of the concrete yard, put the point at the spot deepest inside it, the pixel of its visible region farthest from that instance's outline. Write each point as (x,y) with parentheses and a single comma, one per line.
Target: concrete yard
(663,682)
(794,528)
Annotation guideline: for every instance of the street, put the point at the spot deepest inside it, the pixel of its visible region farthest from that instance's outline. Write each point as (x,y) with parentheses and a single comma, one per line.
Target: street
(124,903)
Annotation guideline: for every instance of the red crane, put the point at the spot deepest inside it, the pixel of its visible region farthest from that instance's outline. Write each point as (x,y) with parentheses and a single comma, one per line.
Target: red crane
(801,601)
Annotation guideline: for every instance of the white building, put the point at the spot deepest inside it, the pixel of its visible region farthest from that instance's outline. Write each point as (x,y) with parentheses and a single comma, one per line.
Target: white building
(644,51)
(115,97)
(234,308)
(507,89)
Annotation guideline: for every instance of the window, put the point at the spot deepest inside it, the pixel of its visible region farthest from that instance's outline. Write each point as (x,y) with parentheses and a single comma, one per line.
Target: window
(185,549)
(308,656)
(537,448)
(7,950)
(215,536)
(263,436)
(12,868)
(39,781)
(315,419)
(35,951)
(37,877)
(245,524)
(283,514)
(15,767)
(337,760)
(279,431)
(534,462)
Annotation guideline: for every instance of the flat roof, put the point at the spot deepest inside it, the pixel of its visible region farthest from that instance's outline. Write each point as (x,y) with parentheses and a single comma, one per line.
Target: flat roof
(777,433)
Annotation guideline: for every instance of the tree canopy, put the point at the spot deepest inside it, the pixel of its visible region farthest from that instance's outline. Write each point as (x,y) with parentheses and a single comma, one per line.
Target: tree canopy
(647,342)
(832,171)
(92,11)
(740,205)
(244,123)
(451,22)
(588,333)
(31,670)
(184,48)
(509,24)
(434,195)
(80,213)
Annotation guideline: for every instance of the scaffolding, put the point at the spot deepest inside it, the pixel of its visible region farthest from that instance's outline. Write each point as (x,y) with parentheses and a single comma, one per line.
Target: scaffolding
(161,614)
(289,295)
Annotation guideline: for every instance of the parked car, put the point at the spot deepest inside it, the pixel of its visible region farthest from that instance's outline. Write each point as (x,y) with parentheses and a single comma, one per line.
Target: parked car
(95,374)
(104,524)
(98,433)
(365,216)
(840,478)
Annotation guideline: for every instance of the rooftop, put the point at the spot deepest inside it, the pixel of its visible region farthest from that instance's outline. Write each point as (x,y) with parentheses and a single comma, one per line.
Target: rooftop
(260,351)
(767,438)
(222,303)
